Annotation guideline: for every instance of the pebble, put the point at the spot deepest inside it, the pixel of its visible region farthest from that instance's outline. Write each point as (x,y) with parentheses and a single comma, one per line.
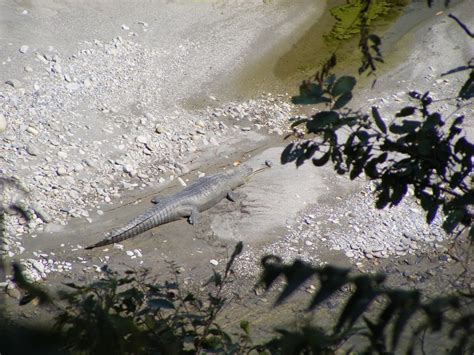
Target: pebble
(17,84)
(72,86)
(3,123)
(159,129)
(142,139)
(61,171)
(125,28)
(214,262)
(24,48)
(28,69)
(32,130)
(129,253)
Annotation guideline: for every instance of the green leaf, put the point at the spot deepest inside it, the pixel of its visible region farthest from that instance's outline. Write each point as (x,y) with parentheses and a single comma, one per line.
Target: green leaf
(406,111)
(378,120)
(342,101)
(245,326)
(343,85)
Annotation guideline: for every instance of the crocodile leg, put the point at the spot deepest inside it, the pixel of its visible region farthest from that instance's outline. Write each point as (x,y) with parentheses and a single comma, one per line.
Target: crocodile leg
(194,216)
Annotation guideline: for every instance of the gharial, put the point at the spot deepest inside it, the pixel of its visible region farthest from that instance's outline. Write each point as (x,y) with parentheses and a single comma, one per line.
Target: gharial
(197,197)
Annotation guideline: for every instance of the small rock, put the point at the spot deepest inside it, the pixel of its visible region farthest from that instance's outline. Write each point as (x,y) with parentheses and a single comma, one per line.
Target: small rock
(245,129)
(201,124)
(61,171)
(129,253)
(3,123)
(17,84)
(181,181)
(37,265)
(28,69)
(56,68)
(72,86)
(41,213)
(159,129)
(24,48)
(214,262)
(142,139)
(125,28)
(32,130)
(13,291)
(308,243)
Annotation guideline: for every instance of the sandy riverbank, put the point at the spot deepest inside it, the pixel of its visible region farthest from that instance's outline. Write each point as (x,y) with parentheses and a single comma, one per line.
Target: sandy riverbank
(97,121)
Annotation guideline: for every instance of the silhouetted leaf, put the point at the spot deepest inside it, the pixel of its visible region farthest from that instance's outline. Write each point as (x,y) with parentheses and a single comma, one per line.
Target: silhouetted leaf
(343,85)
(452,220)
(432,212)
(342,101)
(375,39)
(332,279)
(310,93)
(237,251)
(272,269)
(160,303)
(359,302)
(296,274)
(407,126)
(323,160)
(378,120)
(414,95)
(286,155)
(467,90)
(321,120)
(406,111)
(399,191)
(298,122)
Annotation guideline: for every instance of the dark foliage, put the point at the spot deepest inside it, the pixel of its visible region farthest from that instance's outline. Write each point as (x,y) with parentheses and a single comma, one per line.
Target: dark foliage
(382,328)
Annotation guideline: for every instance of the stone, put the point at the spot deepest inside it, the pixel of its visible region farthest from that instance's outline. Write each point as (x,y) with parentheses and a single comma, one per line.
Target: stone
(214,262)
(17,84)
(3,123)
(32,130)
(125,28)
(72,86)
(28,69)
(61,171)
(142,139)
(24,48)
(159,129)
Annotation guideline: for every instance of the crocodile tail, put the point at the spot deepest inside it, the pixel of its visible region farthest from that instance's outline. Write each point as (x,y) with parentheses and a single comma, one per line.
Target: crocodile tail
(136,226)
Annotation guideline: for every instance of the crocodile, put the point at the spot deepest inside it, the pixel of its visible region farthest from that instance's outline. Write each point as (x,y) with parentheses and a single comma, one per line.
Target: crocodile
(197,197)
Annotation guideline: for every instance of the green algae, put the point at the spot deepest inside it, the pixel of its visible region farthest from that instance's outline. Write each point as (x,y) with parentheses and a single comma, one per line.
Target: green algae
(348,19)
